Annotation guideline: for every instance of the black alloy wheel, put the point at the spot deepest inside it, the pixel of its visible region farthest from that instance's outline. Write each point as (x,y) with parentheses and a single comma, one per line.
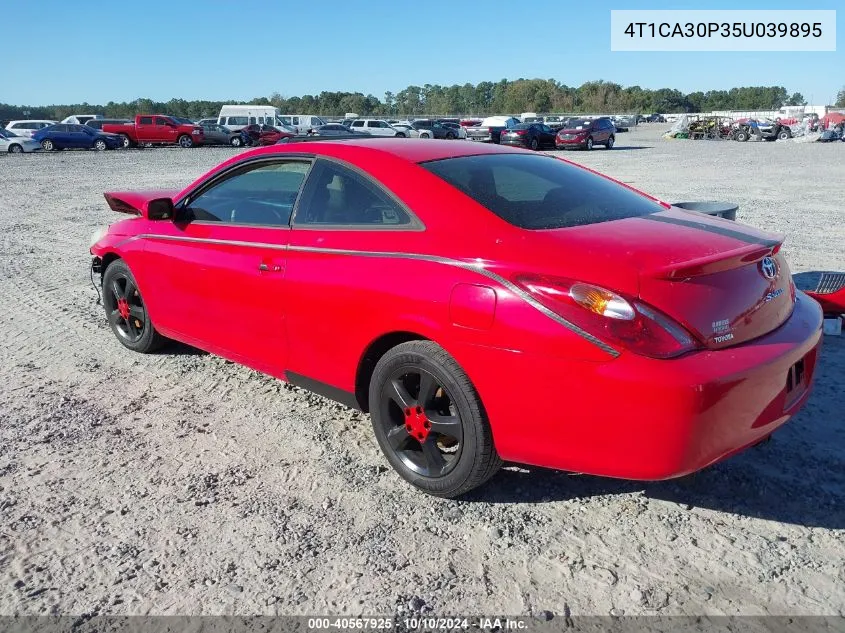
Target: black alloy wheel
(429,420)
(125,310)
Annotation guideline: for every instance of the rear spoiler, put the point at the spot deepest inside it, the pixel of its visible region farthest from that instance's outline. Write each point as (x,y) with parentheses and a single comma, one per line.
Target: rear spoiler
(717,262)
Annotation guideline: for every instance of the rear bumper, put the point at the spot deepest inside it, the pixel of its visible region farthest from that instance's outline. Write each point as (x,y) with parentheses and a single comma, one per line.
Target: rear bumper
(513,142)
(639,418)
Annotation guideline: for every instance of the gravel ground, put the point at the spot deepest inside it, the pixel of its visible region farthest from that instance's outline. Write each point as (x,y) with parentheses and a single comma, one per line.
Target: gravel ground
(181,483)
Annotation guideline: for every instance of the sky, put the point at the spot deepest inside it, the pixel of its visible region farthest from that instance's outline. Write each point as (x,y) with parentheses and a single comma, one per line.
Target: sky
(242,49)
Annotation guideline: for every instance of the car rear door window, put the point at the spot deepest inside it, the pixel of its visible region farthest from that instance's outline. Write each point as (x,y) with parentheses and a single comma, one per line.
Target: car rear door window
(260,194)
(336,196)
(541,192)
(146,120)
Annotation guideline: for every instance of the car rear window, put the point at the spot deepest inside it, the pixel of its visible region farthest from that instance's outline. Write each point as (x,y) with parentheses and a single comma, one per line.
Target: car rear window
(540,192)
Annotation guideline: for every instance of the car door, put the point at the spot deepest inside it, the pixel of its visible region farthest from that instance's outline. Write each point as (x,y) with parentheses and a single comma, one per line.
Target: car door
(165,130)
(547,135)
(331,283)
(215,276)
(77,137)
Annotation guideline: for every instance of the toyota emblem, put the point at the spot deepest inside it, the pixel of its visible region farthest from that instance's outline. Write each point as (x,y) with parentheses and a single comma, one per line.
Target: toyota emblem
(769,268)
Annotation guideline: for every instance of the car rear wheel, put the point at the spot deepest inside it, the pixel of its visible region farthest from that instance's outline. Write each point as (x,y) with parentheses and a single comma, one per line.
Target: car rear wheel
(14,148)
(400,135)
(589,143)
(535,143)
(185,141)
(100,145)
(47,145)
(236,141)
(784,134)
(429,420)
(127,142)
(741,136)
(450,136)
(126,312)
(610,142)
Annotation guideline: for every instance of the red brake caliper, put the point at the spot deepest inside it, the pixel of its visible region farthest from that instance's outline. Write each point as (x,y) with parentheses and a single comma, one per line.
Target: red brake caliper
(123,308)
(416,423)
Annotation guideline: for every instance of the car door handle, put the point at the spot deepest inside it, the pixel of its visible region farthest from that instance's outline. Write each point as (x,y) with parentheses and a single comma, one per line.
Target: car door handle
(266,268)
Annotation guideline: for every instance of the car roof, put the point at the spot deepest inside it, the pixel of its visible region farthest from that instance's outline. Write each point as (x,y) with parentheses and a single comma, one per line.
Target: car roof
(410,149)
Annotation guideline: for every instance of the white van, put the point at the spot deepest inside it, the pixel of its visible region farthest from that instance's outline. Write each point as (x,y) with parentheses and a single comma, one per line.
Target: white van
(302,123)
(236,117)
(28,127)
(81,119)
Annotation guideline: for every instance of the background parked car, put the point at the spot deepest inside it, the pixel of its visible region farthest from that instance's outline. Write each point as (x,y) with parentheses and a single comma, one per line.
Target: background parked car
(531,135)
(336,129)
(376,127)
(585,133)
(490,129)
(257,134)
(221,135)
(434,129)
(81,119)
(71,136)
(28,127)
(553,121)
(14,144)
(409,131)
(457,127)
(98,124)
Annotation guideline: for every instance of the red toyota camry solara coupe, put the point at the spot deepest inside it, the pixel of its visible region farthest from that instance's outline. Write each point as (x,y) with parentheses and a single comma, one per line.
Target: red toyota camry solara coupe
(482,303)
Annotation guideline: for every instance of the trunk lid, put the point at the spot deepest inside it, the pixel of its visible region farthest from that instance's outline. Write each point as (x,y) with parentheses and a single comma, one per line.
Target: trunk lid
(726,283)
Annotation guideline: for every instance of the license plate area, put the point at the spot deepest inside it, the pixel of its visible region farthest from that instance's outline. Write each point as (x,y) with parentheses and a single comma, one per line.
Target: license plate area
(796,382)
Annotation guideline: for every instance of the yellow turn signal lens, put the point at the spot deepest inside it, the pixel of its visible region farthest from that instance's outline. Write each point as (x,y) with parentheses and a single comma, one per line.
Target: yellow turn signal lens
(602,302)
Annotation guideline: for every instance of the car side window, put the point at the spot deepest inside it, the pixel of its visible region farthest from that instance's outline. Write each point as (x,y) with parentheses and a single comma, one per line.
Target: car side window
(260,195)
(161,121)
(357,124)
(146,120)
(338,196)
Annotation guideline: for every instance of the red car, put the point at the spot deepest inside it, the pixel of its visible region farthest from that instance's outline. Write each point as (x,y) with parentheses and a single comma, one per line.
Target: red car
(265,134)
(586,133)
(482,303)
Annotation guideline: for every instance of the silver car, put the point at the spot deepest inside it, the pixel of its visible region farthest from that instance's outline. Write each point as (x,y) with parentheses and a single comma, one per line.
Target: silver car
(14,144)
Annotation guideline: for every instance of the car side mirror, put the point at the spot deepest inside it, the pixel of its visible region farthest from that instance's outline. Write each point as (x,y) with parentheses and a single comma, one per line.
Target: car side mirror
(160,209)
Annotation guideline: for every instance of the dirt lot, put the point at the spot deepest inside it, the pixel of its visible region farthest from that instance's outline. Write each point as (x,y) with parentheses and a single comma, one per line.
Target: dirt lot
(180,483)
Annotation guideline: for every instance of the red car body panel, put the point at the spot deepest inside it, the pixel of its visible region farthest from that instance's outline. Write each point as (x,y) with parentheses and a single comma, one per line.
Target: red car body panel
(554,397)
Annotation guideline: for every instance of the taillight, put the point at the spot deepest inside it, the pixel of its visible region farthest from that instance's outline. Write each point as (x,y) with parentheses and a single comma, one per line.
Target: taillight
(610,317)
(520,132)
(489,130)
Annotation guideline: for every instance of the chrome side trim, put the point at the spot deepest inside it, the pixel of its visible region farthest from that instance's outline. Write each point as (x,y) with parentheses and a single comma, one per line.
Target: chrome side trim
(473,267)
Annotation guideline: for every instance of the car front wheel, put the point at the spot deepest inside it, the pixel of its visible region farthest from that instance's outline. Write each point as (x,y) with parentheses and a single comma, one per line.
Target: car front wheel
(186,141)
(126,312)
(589,144)
(47,145)
(610,142)
(429,420)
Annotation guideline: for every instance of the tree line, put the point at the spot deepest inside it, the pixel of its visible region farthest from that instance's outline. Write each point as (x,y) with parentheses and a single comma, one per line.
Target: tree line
(521,95)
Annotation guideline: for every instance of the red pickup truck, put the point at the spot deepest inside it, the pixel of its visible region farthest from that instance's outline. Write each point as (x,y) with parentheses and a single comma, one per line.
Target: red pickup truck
(157,129)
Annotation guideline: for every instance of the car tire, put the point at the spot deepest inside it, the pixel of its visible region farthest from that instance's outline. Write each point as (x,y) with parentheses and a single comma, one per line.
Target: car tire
(47,145)
(589,144)
(535,144)
(100,145)
(450,136)
(741,136)
(185,141)
(610,142)
(445,463)
(400,135)
(236,141)
(126,312)
(14,148)
(784,134)
(127,142)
